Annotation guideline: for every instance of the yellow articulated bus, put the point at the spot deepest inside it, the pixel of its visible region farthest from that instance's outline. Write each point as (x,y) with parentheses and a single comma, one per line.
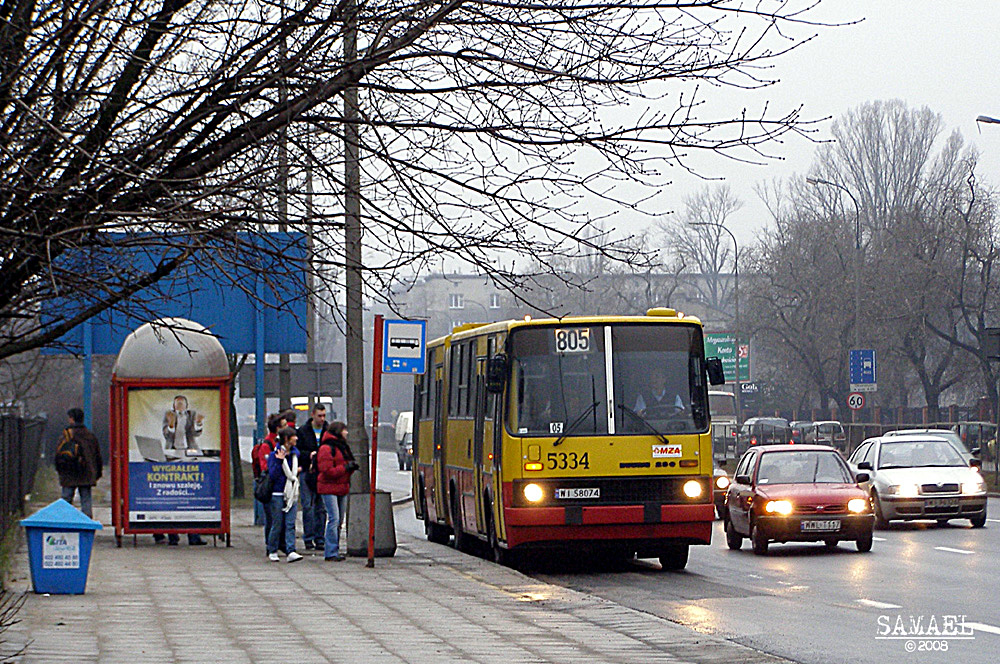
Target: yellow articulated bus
(586,433)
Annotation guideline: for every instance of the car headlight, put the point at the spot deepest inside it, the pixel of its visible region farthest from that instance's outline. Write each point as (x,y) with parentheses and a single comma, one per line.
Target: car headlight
(533,493)
(782,507)
(722,482)
(692,488)
(905,490)
(857,505)
(973,487)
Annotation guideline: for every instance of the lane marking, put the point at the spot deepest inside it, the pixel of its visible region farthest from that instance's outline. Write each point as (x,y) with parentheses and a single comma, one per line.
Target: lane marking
(878,539)
(950,550)
(877,605)
(980,627)
(993,520)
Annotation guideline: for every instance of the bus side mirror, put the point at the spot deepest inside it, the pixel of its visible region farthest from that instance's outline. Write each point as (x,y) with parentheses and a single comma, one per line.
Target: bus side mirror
(496,374)
(716,376)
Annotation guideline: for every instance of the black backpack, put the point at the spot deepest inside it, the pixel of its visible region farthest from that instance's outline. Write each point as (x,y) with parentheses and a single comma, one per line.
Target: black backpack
(69,455)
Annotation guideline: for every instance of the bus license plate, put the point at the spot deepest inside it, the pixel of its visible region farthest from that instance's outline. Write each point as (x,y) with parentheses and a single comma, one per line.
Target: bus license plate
(825,526)
(577,493)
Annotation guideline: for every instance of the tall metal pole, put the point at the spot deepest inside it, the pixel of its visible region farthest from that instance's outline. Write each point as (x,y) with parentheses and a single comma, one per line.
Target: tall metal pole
(284,362)
(355,359)
(736,312)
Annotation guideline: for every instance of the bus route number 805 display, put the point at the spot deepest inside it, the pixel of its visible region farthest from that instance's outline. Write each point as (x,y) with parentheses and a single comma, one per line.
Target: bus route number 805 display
(572,340)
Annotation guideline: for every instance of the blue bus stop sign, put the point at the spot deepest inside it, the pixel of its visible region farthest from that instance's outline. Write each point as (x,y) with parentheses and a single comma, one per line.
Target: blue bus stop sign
(403,346)
(862,366)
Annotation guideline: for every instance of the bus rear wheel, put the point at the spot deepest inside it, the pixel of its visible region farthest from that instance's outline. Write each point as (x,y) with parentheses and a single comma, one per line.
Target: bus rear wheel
(436,533)
(461,539)
(674,558)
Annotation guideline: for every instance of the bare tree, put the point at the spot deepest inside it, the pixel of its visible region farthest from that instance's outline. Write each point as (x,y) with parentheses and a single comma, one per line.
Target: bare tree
(695,237)
(487,130)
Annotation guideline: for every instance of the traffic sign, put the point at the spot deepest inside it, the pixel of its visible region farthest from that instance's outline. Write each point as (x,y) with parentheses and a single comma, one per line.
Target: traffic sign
(723,346)
(403,346)
(862,366)
(856,401)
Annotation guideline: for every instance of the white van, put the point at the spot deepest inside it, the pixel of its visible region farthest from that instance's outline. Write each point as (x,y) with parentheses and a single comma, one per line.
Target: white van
(404,439)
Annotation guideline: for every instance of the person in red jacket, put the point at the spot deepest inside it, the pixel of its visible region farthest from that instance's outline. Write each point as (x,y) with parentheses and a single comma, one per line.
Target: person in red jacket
(335,463)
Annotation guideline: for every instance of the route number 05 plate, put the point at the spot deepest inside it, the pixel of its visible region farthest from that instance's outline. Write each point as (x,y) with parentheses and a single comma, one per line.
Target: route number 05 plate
(577,493)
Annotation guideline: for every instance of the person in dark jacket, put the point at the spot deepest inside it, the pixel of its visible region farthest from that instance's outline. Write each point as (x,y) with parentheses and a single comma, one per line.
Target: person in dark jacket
(335,463)
(90,467)
(313,511)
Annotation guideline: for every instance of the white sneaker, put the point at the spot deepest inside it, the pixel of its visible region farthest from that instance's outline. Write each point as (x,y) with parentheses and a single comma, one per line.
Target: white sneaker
(273,557)
(294,556)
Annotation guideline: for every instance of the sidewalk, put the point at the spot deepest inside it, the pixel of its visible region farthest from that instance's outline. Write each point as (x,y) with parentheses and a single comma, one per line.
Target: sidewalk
(429,603)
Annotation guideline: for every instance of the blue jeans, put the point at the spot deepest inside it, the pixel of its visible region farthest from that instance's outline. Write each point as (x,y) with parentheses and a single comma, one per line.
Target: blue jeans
(335,508)
(282,525)
(266,509)
(86,503)
(313,515)
(259,513)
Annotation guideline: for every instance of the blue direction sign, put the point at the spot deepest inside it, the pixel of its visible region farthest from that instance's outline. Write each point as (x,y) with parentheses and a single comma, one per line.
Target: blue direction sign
(403,346)
(862,368)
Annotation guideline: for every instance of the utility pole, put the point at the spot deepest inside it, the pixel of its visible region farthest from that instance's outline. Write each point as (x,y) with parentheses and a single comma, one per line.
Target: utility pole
(284,364)
(355,359)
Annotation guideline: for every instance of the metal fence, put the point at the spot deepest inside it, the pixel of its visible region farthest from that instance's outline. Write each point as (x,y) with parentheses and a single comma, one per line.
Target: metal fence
(20,452)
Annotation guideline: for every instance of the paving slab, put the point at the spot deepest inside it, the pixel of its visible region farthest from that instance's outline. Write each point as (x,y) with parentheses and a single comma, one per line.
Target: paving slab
(429,603)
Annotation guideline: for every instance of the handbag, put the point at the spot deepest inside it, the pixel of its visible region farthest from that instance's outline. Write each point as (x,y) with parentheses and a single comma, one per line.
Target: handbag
(262,488)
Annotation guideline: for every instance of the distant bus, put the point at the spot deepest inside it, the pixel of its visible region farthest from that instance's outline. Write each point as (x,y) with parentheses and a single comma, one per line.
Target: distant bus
(722,406)
(537,434)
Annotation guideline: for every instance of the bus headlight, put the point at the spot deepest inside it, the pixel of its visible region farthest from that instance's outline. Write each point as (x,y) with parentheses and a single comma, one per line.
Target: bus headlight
(692,488)
(782,507)
(857,505)
(533,493)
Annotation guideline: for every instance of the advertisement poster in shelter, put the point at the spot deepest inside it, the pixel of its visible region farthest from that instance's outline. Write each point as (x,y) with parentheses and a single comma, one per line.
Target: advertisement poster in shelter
(174,458)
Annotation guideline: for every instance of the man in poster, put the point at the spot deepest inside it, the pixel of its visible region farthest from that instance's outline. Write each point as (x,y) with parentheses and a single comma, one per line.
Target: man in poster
(181,419)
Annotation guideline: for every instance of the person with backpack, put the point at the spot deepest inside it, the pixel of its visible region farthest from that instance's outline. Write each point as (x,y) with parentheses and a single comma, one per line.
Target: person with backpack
(334,463)
(283,468)
(78,462)
(258,456)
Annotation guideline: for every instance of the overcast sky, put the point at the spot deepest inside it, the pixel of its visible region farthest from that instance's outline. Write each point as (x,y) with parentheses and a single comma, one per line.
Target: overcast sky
(943,55)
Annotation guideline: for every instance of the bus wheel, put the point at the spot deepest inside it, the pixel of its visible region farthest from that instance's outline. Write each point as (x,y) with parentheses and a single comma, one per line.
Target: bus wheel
(461,539)
(674,558)
(435,532)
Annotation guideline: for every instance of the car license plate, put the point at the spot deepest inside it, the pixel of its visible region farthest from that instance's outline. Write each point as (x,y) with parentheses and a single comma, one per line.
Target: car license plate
(827,525)
(573,494)
(941,502)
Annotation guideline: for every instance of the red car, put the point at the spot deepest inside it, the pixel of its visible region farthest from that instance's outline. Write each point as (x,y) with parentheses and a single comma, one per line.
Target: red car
(797,493)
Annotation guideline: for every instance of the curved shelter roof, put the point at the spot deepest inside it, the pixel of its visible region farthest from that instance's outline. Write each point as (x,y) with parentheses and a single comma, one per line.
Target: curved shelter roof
(171,348)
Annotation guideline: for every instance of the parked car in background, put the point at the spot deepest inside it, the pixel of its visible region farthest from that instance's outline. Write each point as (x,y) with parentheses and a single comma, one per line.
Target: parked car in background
(921,476)
(797,493)
(404,439)
(798,430)
(763,431)
(826,432)
(980,435)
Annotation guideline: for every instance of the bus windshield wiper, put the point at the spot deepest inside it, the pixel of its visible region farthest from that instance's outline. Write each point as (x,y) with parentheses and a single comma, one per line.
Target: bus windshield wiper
(575,423)
(643,421)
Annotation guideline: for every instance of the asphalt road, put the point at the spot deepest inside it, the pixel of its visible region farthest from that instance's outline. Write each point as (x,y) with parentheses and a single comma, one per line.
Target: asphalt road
(816,606)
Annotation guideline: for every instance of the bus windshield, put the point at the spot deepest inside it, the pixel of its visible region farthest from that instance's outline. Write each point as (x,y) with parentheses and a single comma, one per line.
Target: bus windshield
(561,383)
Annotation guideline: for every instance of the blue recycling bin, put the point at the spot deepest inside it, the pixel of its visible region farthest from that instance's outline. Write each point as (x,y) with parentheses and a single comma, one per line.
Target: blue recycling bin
(60,538)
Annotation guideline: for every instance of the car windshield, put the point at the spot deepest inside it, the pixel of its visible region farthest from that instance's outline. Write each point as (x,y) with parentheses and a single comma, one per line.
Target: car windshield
(801,467)
(918,453)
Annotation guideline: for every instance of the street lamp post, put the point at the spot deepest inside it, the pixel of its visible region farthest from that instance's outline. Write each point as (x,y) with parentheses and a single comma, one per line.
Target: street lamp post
(857,264)
(857,253)
(736,310)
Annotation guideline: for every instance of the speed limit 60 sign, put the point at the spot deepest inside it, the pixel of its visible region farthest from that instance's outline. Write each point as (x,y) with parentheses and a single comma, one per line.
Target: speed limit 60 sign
(856,401)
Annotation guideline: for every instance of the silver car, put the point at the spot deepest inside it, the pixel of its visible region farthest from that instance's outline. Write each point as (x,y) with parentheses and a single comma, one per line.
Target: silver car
(920,477)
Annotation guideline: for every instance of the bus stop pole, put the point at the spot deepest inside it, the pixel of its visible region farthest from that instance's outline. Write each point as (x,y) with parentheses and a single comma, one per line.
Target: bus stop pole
(376,402)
